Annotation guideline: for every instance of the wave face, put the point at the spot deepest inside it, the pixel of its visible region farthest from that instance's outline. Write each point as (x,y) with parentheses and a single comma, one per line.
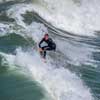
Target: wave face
(75,16)
(71,73)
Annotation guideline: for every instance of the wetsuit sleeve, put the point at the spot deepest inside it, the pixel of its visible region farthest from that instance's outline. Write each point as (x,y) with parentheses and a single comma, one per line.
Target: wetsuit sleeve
(41,43)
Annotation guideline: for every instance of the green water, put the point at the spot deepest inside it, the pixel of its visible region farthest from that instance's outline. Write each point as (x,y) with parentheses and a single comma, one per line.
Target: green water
(12,41)
(14,86)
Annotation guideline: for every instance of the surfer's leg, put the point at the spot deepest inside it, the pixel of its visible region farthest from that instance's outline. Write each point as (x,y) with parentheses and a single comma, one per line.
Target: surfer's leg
(44,56)
(46,48)
(44,51)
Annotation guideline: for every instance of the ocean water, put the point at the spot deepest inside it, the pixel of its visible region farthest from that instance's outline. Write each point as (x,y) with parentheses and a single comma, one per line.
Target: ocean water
(72,72)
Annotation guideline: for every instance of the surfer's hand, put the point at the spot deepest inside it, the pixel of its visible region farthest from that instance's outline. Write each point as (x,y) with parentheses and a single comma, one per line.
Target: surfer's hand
(40,49)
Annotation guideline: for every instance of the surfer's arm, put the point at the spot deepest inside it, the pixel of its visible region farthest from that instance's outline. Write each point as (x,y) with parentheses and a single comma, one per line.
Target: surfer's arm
(41,43)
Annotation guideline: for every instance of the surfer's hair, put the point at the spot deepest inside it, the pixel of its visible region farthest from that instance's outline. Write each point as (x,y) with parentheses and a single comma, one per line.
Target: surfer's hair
(46,34)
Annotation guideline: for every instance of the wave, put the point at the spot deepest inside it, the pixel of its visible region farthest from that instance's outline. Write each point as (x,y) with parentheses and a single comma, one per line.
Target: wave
(76,17)
(79,20)
(34,31)
(66,84)
(76,52)
(60,83)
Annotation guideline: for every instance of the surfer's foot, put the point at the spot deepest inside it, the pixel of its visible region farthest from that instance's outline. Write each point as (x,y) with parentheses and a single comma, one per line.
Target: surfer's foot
(44,60)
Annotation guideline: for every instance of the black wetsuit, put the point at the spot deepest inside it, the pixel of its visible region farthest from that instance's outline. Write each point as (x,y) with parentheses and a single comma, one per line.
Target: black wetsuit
(50,45)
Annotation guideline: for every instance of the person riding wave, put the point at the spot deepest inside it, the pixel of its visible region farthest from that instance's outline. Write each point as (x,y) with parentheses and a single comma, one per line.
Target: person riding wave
(49,47)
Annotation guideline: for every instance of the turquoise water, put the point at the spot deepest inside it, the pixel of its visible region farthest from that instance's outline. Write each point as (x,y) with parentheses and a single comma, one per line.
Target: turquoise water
(18,87)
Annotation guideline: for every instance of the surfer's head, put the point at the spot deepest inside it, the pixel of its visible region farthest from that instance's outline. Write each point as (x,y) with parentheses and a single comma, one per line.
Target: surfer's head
(46,36)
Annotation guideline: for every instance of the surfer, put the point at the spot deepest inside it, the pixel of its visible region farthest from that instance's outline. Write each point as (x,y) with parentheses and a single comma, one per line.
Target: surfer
(50,45)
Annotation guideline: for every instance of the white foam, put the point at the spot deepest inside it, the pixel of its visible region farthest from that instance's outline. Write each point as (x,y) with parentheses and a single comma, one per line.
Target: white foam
(17,10)
(15,13)
(76,52)
(9,28)
(60,83)
(36,31)
(79,19)
(4,29)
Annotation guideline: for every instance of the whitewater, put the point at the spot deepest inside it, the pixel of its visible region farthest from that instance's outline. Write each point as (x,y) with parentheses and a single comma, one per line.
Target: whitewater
(78,17)
(56,76)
